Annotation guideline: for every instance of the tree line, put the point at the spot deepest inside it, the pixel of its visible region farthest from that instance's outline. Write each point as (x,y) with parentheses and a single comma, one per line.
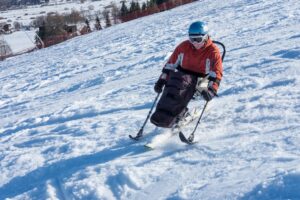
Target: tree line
(6,4)
(60,27)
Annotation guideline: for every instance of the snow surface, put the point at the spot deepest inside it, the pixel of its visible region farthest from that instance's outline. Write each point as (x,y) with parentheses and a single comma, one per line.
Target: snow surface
(66,111)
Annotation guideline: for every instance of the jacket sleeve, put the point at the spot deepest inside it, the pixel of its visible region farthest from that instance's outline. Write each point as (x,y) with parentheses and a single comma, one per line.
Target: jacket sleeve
(216,71)
(174,61)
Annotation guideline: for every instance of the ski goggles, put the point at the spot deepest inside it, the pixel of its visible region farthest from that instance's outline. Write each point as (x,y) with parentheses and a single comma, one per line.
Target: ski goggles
(197,38)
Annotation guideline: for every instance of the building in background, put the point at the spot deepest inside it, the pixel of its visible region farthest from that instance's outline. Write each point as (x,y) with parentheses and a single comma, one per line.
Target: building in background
(17,43)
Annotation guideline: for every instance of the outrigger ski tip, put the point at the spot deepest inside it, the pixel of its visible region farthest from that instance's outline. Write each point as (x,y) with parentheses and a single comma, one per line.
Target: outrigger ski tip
(186,140)
(148,147)
(138,135)
(136,138)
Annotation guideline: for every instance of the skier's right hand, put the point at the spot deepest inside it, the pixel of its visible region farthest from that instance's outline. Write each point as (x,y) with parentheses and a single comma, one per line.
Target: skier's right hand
(159,85)
(208,94)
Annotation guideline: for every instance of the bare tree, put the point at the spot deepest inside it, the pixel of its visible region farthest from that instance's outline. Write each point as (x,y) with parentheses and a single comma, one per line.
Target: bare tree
(39,21)
(115,12)
(17,25)
(74,17)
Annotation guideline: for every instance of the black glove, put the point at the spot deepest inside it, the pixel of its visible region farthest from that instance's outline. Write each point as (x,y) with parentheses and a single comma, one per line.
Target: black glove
(208,94)
(159,85)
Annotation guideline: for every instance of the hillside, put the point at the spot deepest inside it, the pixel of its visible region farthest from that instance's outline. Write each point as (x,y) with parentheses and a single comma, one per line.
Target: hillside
(28,14)
(66,111)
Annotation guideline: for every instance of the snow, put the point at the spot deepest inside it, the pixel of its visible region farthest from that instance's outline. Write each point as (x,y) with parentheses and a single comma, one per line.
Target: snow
(66,111)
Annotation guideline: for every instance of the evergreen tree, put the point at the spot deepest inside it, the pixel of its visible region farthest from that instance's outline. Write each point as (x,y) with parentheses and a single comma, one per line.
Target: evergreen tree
(124,9)
(160,1)
(42,30)
(144,6)
(88,25)
(151,3)
(98,24)
(137,6)
(132,6)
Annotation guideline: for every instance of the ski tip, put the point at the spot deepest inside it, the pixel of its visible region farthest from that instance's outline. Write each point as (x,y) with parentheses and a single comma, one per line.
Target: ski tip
(148,147)
(184,139)
(133,138)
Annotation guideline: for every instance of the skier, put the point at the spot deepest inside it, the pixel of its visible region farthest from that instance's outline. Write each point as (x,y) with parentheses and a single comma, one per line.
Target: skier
(195,67)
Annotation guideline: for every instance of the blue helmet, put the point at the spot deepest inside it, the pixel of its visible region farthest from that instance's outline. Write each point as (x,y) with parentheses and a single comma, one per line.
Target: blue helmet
(198,28)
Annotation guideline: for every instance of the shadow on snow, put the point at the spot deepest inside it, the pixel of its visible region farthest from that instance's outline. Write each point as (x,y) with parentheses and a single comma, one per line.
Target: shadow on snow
(285,187)
(39,176)
(61,120)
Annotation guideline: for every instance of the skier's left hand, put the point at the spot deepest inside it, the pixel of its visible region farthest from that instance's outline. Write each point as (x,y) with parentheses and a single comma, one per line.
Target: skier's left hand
(159,85)
(208,94)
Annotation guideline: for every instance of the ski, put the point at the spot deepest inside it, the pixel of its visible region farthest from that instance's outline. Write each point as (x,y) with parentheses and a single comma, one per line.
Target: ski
(188,118)
(135,138)
(149,146)
(189,140)
(138,136)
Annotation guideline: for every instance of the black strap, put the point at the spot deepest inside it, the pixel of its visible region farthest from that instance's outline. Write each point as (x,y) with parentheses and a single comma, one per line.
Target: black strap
(167,71)
(215,80)
(197,74)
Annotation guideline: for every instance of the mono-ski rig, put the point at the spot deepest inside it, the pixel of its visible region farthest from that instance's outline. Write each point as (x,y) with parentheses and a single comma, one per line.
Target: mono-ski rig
(187,140)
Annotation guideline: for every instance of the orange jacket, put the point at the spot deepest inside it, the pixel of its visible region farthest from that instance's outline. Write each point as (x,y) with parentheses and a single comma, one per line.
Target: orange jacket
(206,60)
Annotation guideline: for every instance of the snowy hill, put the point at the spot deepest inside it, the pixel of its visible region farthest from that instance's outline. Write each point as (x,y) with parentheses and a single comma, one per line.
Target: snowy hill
(66,111)
(27,15)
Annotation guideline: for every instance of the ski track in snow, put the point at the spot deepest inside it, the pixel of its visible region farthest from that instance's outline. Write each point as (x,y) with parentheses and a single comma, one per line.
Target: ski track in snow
(66,111)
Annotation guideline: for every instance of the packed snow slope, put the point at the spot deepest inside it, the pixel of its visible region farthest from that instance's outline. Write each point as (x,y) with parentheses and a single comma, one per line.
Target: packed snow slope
(66,111)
